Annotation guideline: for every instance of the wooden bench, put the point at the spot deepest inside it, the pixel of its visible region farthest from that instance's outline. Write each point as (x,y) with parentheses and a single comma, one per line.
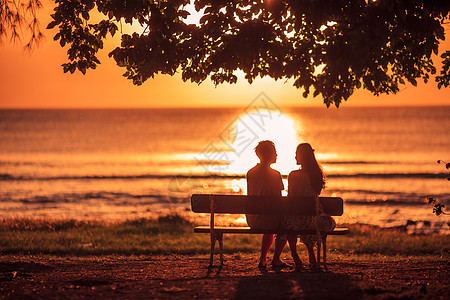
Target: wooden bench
(263,205)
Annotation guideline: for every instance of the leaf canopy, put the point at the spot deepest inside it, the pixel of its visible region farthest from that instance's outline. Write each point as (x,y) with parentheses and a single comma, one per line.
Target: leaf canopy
(328,47)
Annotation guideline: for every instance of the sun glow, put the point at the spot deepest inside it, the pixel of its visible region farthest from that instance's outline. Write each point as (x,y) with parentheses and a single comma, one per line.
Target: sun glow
(253,127)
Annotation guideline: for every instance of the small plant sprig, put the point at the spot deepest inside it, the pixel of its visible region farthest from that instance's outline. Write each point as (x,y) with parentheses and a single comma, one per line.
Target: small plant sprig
(438,208)
(447,166)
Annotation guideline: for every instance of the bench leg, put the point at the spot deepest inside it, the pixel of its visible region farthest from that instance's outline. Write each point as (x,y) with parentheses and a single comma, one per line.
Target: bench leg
(220,238)
(211,254)
(324,242)
(216,237)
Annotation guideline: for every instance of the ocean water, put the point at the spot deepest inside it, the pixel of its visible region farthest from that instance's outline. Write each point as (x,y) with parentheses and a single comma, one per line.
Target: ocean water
(122,164)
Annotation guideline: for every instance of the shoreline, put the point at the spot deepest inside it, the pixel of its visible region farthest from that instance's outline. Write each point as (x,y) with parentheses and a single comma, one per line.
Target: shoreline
(412,227)
(418,218)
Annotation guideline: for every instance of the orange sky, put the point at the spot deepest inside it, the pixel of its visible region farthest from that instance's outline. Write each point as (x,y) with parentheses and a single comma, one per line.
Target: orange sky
(37,81)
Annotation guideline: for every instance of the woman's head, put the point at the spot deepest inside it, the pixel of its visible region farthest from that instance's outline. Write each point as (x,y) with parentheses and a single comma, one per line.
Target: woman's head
(306,158)
(304,155)
(266,152)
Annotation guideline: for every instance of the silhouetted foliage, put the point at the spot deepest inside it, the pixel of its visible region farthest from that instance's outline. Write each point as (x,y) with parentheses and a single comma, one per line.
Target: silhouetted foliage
(329,47)
(18,19)
(438,208)
(447,165)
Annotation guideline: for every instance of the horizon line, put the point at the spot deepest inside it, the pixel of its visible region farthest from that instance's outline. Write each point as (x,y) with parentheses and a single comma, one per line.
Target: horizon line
(218,107)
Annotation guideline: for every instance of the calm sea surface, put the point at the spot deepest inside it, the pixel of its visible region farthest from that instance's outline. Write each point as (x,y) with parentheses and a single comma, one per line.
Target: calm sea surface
(121,164)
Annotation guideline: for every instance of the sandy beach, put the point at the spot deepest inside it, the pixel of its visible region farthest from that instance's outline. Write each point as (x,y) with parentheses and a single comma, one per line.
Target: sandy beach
(187,277)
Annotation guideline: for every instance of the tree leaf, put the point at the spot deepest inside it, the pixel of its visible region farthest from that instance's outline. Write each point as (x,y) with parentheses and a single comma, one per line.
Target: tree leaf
(52,24)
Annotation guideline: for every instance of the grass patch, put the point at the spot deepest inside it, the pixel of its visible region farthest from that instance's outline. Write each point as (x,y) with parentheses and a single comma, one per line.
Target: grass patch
(366,239)
(172,234)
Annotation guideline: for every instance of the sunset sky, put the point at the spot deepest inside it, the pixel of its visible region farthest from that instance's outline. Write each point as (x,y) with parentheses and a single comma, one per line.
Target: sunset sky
(36,80)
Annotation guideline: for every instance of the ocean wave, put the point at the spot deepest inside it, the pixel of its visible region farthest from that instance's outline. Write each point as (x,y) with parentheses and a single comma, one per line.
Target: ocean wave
(356,162)
(113,198)
(377,197)
(9,177)
(26,163)
(120,199)
(6,177)
(370,162)
(354,197)
(388,193)
(391,175)
(404,201)
(368,192)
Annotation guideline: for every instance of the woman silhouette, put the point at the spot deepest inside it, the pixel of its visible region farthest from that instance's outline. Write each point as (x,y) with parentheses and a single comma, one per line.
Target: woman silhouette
(308,181)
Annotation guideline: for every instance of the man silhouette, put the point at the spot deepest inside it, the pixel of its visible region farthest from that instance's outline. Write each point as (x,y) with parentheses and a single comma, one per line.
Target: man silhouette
(262,180)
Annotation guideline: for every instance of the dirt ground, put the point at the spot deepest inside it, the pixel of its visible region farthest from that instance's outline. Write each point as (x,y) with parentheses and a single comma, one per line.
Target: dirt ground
(188,277)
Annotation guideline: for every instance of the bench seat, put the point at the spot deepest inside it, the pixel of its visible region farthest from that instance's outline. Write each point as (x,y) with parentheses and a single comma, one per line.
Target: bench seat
(248,230)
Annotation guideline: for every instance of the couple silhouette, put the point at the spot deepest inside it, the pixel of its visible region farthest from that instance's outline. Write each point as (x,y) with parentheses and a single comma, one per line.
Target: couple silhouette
(262,180)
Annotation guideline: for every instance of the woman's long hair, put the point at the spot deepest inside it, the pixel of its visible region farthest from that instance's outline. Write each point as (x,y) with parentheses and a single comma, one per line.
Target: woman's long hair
(307,160)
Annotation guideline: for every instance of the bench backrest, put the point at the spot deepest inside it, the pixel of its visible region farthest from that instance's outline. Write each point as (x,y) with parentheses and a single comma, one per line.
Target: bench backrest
(265,205)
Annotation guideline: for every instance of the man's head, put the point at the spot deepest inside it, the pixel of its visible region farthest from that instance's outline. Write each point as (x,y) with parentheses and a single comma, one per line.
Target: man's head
(266,152)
